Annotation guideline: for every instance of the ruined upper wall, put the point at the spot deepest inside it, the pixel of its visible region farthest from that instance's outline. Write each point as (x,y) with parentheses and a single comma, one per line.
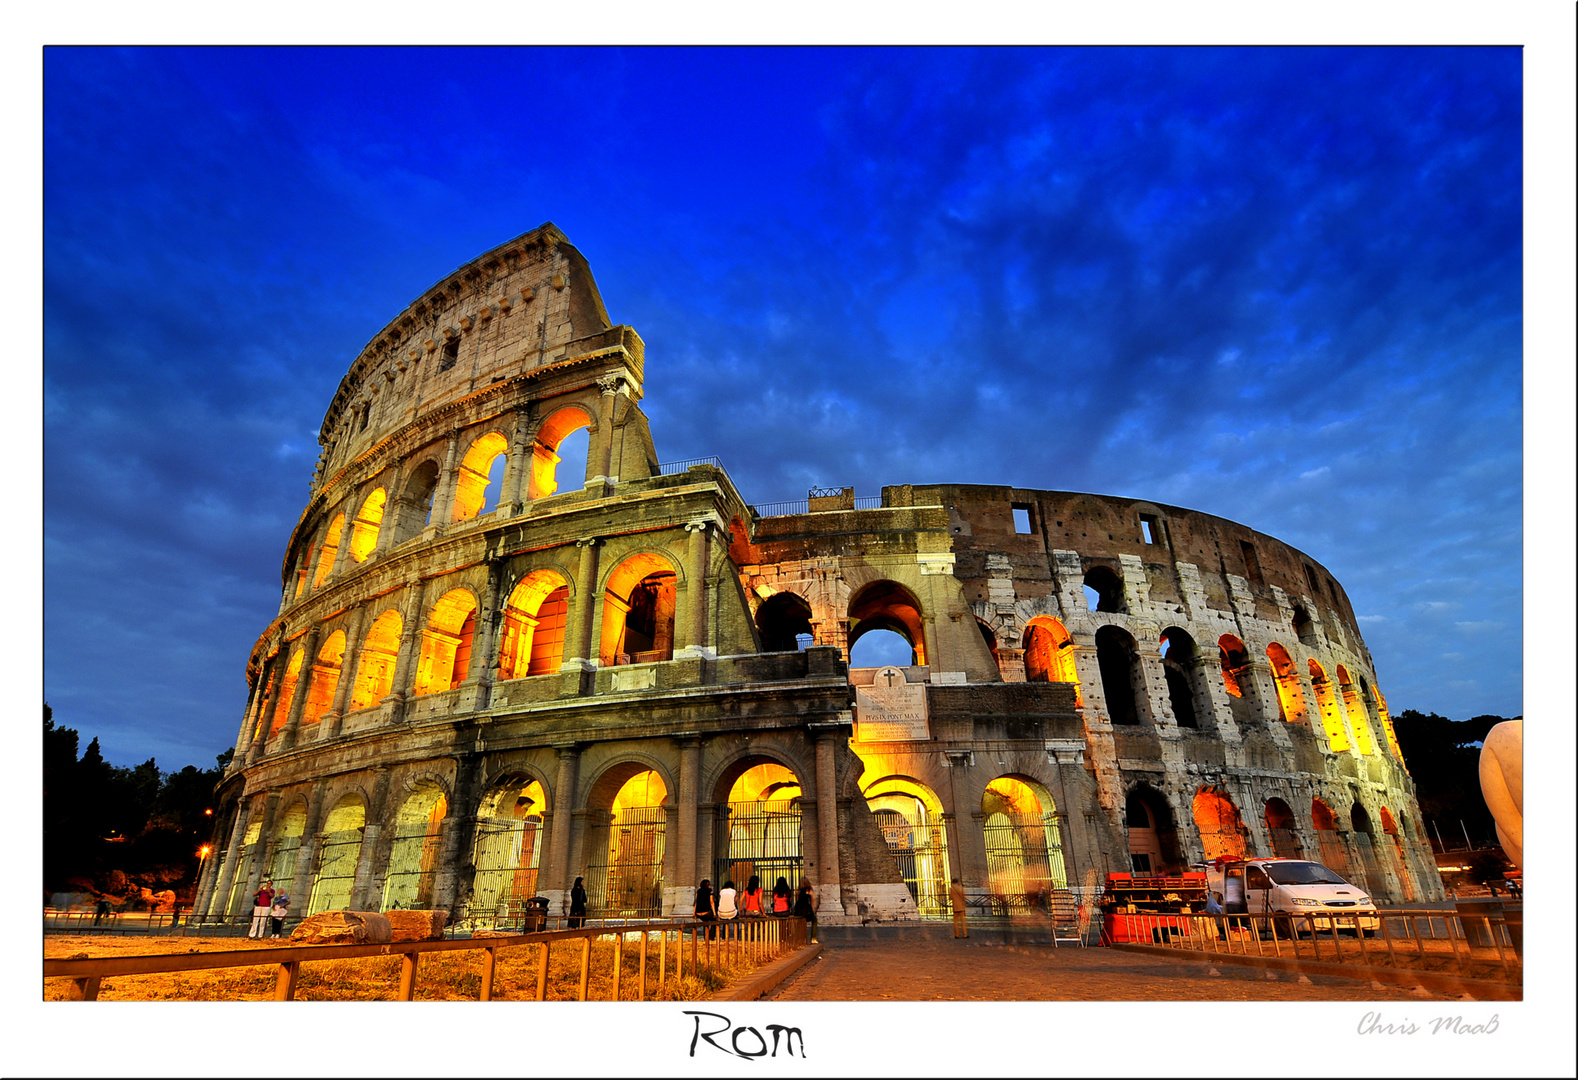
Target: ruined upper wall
(528,303)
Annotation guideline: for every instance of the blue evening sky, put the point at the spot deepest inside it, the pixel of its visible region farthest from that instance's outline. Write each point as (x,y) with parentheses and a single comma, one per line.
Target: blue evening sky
(1282,286)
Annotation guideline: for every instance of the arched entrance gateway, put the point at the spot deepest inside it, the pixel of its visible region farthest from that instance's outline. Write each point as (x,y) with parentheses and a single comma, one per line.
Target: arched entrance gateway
(625,844)
(910,817)
(1153,840)
(338,855)
(1024,846)
(758,828)
(1284,835)
(1221,829)
(507,851)
(413,853)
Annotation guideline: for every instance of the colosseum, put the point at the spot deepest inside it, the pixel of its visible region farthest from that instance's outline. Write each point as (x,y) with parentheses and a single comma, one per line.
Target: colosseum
(480,687)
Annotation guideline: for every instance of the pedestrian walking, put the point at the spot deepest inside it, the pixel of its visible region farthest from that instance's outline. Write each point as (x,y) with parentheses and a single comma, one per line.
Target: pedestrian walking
(727,908)
(101,909)
(262,901)
(805,908)
(1214,908)
(277,912)
(751,899)
(706,908)
(956,898)
(781,897)
(578,904)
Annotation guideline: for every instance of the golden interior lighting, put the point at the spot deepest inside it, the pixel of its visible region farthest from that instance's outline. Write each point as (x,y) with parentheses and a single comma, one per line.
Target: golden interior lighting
(1235,659)
(544,479)
(287,692)
(531,634)
(1049,654)
(887,605)
(375,667)
(638,611)
(338,855)
(331,548)
(1326,701)
(446,643)
(471,484)
(325,678)
(364,532)
(1290,699)
(1024,853)
(1358,716)
(1221,829)
(507,851)
(768,782)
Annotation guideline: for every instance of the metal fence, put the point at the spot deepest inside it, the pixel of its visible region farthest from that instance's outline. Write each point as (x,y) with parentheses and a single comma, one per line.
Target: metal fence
(626,878)
(1390,937)
(759,840)
(708,944)
(673,467)
(803,506)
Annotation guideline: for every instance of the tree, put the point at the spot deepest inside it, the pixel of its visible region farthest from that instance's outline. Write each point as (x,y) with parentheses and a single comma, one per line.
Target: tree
(1443,759)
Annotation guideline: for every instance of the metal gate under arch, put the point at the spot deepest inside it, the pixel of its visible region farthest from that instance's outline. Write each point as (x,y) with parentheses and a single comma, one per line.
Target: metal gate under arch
(1024,860)
(625,880)
(921,852)
(760,839)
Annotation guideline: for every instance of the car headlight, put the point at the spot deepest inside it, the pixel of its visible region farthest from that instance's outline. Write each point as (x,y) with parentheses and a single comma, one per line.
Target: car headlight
(1299,901)
(1362,900)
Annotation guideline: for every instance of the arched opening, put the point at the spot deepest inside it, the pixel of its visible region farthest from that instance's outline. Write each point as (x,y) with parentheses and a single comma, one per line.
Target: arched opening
(910,817)
(413,854)
(1304,627)
(364,530)
(989,636)
(1116,657)
(1221,830)
(481,476)
(1399,853)
(376,665)
(1283,829)
(880,648)
(1332,853)
(1237,679)
(638,611)
(783,621)
(759,828)
(1358,719)
(240,902)
(287,692)
(288,829)
(325,678)
(507,850)
(545,479)
(887,605)
(1049,655)
(1180,661)
(1103,590)
(330,549)
(338,855)
(1364,839)
(1290,699)
(1024,844)
(1326,701)
(414,510)
(1386,722)
(446,643)
(1153,838)
(531,634)
(625,876)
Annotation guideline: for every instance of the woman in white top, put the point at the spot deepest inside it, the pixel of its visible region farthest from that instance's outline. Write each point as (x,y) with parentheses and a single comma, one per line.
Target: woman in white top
(726,908)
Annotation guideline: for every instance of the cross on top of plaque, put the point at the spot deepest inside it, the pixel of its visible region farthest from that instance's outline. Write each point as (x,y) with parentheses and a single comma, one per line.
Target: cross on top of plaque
(890,677)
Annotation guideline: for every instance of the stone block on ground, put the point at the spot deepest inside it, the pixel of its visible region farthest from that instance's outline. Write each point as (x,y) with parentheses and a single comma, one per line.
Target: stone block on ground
(416,925)
(343,928)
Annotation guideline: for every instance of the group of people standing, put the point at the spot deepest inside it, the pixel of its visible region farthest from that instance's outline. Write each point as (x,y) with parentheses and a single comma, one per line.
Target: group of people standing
(269,909)
(754,903)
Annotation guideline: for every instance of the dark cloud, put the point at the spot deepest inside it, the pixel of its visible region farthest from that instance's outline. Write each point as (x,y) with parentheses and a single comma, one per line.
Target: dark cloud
(1282,286)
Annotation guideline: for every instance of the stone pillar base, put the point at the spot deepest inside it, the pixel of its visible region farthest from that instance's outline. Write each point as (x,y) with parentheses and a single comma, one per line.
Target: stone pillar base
(679,900)
(881,903)
(558,900)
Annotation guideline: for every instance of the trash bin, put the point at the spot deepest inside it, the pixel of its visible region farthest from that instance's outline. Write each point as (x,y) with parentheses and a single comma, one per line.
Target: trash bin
(1475,916)
(536,915)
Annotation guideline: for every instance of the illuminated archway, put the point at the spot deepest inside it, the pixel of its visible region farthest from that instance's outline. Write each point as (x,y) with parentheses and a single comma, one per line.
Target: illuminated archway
(413,853)
(1399,853)
(325,678)
(1221,830)
(1358,718)
(1283,830)
(910,817)
(1290,699)
(287,692)
(507,851)
(330,549)
(531,636)
(544,479)
(1332,854)
(624,877)
(759,826)
(288,828)
(638,611)
(1024,844)
(369,519)
(472,482)
(414,508)
(338,855)
(1049,655)
(1326,701)
(887,605)
(446,643)
(783,620)
(376,665)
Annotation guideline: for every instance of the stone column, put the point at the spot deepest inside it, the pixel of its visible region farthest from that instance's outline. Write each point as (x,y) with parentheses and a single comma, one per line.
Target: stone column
(260,850)
(1262,682)
(966,842)
(827,876)
(369,855)
(1211,697)
(255,692)
(1151,699)
(221,895)
(255,734)
(519,463)
(342,554)
(706,832)
(479,677)
(685,874)
(697,565)
(443,495)
(410,638)
(556,875)
(603,449)
(342,689)
(309,653)
(580,647)
(301,882)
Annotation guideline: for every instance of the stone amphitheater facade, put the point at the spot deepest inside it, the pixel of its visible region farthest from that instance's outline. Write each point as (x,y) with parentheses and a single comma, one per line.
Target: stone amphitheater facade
(479,687)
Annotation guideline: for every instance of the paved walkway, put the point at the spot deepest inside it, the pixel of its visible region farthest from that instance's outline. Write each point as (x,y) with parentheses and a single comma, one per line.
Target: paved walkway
(959,971)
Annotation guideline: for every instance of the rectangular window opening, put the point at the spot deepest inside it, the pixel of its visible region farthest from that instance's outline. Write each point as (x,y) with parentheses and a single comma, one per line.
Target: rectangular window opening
(1022,518)
(1314,580)
(1251,561)
(1150,529)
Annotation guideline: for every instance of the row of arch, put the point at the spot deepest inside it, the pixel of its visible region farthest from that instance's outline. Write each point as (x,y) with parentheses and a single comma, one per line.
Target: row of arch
(481,481)
(1155,846)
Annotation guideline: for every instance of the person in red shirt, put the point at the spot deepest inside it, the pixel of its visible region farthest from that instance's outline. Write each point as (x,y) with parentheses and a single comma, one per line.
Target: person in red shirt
(262,900)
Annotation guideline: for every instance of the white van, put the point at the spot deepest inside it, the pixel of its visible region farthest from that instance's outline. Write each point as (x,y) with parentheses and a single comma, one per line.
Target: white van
(1291,887)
